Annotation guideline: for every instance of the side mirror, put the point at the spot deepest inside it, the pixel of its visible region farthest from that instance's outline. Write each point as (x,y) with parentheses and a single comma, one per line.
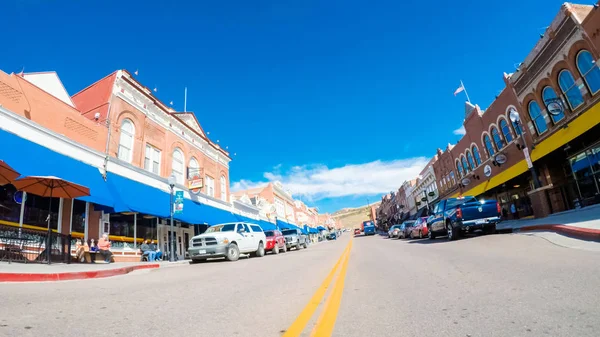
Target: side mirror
(241,230)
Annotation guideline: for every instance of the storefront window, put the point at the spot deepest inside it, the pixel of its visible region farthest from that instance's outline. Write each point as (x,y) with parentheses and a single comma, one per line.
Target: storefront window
(582,170)
(78,216)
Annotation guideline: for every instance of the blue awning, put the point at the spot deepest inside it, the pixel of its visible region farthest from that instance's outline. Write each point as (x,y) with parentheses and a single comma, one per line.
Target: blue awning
(31,159)
(313,230)
(133,196)
(267,226)
(321,228)
(285,225)
(197,213)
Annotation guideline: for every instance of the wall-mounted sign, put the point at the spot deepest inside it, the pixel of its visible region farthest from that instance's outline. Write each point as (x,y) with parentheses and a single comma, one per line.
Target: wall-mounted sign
(555,108)
(527,158)
(501,159)
(487,170)
(466,181)
(195,183)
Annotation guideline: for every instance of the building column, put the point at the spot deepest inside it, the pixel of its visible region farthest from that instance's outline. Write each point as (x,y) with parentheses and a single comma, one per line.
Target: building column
(22,213)
(134,231)
(71,217)
(59,224)
(86,222)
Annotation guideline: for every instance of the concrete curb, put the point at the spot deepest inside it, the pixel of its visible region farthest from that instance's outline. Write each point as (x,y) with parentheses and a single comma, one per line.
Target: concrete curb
(48,277)
(575,232)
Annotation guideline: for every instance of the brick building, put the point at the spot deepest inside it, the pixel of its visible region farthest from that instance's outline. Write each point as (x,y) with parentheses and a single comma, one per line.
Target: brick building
(554,92)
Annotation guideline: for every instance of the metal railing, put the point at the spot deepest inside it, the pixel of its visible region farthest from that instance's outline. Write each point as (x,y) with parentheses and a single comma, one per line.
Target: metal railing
(33,246)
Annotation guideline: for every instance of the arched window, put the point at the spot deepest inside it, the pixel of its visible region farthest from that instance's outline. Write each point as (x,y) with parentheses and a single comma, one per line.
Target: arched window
(125,151)
(497,138)
(193,167)
(177,165)
(476,155)
(459,169)
(569,88)
(505,130)
(549,96)
(536,116)
(488,145)
(470,160)
(465,165)
(589,71)
(223,188)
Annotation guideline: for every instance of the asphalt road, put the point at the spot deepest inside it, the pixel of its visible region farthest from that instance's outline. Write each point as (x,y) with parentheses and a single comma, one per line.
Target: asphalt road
(497,285)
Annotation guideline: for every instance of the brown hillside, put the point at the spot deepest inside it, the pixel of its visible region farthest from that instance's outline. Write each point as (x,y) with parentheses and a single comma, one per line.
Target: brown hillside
(353,217)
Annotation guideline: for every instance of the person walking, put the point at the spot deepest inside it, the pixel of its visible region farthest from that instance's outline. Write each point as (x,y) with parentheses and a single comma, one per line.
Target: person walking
(513,211)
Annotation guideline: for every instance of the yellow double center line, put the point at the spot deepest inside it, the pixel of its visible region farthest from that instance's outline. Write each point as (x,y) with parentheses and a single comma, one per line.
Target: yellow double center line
(326,320)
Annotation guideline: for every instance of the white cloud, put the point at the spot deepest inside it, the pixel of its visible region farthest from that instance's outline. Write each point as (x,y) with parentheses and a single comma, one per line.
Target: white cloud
(460,131)
(318,181)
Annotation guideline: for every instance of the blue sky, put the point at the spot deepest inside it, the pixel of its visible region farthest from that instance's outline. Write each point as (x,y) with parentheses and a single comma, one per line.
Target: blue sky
(340,100)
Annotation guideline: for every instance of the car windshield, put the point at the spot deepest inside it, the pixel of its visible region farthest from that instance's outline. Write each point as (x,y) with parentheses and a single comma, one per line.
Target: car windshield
(409,223)
(452,203)
(221,228)
(269,233)
(289,232)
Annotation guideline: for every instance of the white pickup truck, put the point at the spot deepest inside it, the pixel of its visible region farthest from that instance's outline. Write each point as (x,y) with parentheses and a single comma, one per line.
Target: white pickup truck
(228,240)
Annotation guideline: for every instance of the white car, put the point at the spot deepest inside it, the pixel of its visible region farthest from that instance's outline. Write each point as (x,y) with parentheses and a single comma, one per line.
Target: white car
(228,240)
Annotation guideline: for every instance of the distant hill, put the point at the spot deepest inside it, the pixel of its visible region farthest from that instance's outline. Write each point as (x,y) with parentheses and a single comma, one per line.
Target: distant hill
(353,217)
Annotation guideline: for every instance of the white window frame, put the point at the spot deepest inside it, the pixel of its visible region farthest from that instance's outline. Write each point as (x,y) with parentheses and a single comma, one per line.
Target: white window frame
(126,140)
(223,183)
(210,186)
(155,157)
(179,177)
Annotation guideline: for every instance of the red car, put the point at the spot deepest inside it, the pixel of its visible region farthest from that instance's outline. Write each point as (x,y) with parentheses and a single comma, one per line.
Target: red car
(357,231)
(419,230)
(275,242)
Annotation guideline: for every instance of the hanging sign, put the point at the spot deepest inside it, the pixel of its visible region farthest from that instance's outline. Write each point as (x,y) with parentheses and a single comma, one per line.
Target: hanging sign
(501,159)
(527,158)
(178,205)
(466,181)
(487,170)
(555,108)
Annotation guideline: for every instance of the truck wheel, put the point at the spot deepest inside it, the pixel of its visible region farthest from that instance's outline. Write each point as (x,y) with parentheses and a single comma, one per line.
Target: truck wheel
(276,249)
(305,245)
(452,232)
(233,252)
(260,252)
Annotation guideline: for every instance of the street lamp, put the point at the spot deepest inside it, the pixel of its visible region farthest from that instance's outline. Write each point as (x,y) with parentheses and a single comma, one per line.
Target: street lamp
(515,118)
(172,181)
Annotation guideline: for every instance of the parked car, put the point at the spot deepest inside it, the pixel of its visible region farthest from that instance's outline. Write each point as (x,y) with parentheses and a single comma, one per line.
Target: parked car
(394,231)
(275,242)
(456,216)
(406,228)
(419,230)
(228,240)
(332,236)
(294,238)
(357,231)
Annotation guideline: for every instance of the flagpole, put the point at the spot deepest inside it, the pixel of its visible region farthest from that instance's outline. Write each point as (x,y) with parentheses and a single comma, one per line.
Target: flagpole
(185,101)
(465,89)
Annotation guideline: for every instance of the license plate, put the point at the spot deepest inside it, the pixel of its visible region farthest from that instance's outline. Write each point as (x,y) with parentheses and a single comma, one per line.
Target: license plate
(479,222)
(202,251)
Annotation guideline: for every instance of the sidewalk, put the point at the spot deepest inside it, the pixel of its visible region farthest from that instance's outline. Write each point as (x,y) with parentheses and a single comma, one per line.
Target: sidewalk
(33,272)
(582,223)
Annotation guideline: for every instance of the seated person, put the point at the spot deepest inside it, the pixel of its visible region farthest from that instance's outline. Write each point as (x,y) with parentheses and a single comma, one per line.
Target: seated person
(104,248)
(158,254)
(79,251)
(145,248)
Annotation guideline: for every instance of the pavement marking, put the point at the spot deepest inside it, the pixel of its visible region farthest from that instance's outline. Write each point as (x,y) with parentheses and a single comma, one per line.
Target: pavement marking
(300,323)
(326,321)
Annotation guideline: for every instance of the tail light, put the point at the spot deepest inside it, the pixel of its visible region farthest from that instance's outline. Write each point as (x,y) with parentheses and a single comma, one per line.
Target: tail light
(498,208)
(459,213)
